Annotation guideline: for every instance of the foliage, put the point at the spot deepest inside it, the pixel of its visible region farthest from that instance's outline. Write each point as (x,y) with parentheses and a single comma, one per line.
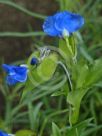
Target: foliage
(61,92)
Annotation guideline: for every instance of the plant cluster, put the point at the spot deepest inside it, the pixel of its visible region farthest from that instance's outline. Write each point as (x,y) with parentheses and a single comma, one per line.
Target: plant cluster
(52,82)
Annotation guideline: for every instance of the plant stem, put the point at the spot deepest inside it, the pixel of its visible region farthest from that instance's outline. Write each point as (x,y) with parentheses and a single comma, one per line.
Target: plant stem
(68,46)
(67,73)
(21,34)
(8,115)
(20,8)
(70,114)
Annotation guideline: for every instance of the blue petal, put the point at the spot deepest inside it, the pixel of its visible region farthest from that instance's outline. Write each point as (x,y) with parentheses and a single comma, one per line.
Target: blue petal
(56,24)
(69,21)
(15,74)
(21,74)
(49,27)
(8,68)
(20,69)
(3,134)
(20,78)
(61,20)
(11,80)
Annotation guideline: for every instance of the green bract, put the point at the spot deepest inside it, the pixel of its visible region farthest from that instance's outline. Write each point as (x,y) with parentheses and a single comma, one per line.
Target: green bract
(25,133)
(42,73)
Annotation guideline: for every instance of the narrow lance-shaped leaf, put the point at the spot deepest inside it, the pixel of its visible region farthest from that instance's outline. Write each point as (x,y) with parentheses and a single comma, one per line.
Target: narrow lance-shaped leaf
(78,129)
(55,130)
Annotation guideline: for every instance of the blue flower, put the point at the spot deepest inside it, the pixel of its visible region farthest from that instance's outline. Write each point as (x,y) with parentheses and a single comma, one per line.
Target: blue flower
(15,73)
(34,61)
(3,134)
(63,24)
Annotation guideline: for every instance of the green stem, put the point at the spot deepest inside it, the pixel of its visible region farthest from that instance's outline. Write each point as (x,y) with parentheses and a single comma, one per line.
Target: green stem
(20,8)
(70,115)
(17,108)
(8,115)
(31,117)
(67,73)
(21,34)
(61,4)
(75,114)
(68,45)
(66,4)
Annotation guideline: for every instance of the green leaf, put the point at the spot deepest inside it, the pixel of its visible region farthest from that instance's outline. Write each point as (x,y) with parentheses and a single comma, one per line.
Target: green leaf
(83,71)
(55,130)
(85,54)
(92,130)
(40,74)
(25,133)
(2,126)
(68,48)
(64,50)
(34,115)
(74,98)
(44,71)
(84,77)
(47,67)
(95,73)
(73,45)
(78,129)
(58,93)
(99,84)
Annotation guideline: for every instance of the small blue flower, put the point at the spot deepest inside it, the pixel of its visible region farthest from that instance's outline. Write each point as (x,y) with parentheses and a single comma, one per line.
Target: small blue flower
(63,24)
(15,73)
(3,134)
(34,61)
